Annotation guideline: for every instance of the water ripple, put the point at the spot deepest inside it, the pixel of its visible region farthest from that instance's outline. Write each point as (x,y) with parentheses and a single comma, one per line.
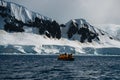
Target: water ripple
(49,68)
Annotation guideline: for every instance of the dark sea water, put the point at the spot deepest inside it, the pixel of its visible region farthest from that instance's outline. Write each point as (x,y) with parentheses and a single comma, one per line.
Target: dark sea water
(24,67)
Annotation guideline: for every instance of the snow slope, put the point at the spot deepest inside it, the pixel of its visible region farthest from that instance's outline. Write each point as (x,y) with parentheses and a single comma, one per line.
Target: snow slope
(20,13)
(23,14)
(112,29)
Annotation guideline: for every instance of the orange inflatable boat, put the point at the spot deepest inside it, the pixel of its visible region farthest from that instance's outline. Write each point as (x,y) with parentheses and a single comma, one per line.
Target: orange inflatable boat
(66,57)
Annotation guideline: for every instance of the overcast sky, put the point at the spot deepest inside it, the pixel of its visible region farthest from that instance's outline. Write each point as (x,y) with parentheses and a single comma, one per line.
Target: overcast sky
(94,11)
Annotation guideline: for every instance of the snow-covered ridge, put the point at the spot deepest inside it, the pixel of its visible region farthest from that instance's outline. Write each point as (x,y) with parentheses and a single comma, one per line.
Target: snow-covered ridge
(21,13)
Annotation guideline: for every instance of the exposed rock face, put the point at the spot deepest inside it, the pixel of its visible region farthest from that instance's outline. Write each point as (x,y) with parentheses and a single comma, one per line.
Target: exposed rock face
(80,28)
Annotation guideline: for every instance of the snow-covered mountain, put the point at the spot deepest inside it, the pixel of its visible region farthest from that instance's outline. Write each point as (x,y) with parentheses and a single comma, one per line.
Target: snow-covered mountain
(78,28)
(23,31)
(16,18)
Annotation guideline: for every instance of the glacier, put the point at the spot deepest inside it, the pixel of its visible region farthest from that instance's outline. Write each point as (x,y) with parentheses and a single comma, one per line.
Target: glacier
(106,42)
(28,43)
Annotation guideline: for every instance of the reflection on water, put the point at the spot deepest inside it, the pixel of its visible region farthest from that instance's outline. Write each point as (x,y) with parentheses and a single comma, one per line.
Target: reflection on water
(49,68)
